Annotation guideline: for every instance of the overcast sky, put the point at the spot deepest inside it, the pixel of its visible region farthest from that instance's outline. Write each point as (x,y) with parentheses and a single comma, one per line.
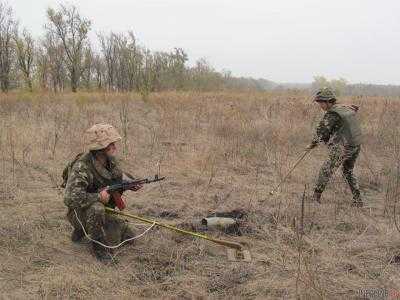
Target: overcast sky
(283,40)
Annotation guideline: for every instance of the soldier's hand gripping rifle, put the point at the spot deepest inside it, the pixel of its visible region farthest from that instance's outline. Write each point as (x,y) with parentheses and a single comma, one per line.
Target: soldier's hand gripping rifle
(116,190)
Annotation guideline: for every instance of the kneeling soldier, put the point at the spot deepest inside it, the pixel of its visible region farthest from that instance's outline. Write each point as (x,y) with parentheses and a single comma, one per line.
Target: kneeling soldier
(84,178)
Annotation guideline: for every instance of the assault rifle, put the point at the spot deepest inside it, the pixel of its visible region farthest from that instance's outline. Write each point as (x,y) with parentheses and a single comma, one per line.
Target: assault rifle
(116,190)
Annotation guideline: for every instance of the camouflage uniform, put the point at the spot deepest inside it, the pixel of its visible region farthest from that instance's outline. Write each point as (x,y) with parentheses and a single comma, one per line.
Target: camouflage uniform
(86,176)
(339,129)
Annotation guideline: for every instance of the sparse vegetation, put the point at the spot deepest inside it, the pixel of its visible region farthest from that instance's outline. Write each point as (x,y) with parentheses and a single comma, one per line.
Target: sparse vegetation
(220,151)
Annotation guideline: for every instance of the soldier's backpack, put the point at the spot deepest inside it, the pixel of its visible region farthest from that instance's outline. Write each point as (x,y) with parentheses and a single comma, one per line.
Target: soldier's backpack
(68,168)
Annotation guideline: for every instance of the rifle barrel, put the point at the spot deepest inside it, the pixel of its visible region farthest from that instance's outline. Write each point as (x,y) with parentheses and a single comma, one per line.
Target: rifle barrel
(127,184)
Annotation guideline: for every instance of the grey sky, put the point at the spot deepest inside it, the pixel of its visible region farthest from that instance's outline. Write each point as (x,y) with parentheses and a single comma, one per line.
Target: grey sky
(284,41)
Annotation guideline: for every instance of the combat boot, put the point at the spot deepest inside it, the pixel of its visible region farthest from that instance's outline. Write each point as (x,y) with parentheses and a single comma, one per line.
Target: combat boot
(77,235)
(101,253)
(317,197)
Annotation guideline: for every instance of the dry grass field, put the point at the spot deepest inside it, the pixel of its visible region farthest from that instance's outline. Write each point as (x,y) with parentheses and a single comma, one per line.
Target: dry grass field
(219,151)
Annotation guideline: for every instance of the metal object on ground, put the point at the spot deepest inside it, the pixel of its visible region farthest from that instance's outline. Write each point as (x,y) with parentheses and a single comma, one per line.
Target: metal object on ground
(243,255)
(218,222)
(239,252)
(224,224)
(290,172)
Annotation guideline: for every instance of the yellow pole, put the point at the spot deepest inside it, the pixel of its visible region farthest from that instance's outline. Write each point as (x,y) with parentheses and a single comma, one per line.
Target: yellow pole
(229,244)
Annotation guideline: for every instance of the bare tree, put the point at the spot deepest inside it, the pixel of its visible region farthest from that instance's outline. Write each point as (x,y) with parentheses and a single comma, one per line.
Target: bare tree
(66,55)
(123,60)
(135,61)
(147,74)
(109,49)
(99,70)
(169,69)
(131,67)
(178,58)
(72,30)
(42,70)
(7,28)
(87,67)
(25,54)
(51,57)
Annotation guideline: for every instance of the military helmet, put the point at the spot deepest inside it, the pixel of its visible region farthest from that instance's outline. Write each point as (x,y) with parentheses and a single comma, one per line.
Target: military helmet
(99,136)
(325,95)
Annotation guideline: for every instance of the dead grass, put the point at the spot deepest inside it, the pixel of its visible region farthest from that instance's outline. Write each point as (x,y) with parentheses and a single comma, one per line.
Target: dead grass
(219,151)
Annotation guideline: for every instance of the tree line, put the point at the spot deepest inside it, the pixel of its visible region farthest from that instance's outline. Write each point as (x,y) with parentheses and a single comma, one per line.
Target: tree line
(65,59)
(342,87)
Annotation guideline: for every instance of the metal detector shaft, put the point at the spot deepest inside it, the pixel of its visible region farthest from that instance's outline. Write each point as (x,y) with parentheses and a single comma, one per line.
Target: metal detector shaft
(290,172)
(229,244)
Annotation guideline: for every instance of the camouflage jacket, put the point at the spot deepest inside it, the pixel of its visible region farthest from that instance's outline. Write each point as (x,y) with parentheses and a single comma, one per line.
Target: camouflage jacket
(326,129)
(85,176)
(339,125)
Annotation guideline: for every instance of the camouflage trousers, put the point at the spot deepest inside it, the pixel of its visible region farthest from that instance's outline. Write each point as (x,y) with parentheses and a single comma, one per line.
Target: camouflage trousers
(340,156)
(100,225)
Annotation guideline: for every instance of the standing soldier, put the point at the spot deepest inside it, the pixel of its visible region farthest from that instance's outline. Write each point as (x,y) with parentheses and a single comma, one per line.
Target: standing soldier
(340,130)
(85,179)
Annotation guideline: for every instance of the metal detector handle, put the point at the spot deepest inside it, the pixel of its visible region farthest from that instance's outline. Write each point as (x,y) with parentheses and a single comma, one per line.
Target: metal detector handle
(291,170)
